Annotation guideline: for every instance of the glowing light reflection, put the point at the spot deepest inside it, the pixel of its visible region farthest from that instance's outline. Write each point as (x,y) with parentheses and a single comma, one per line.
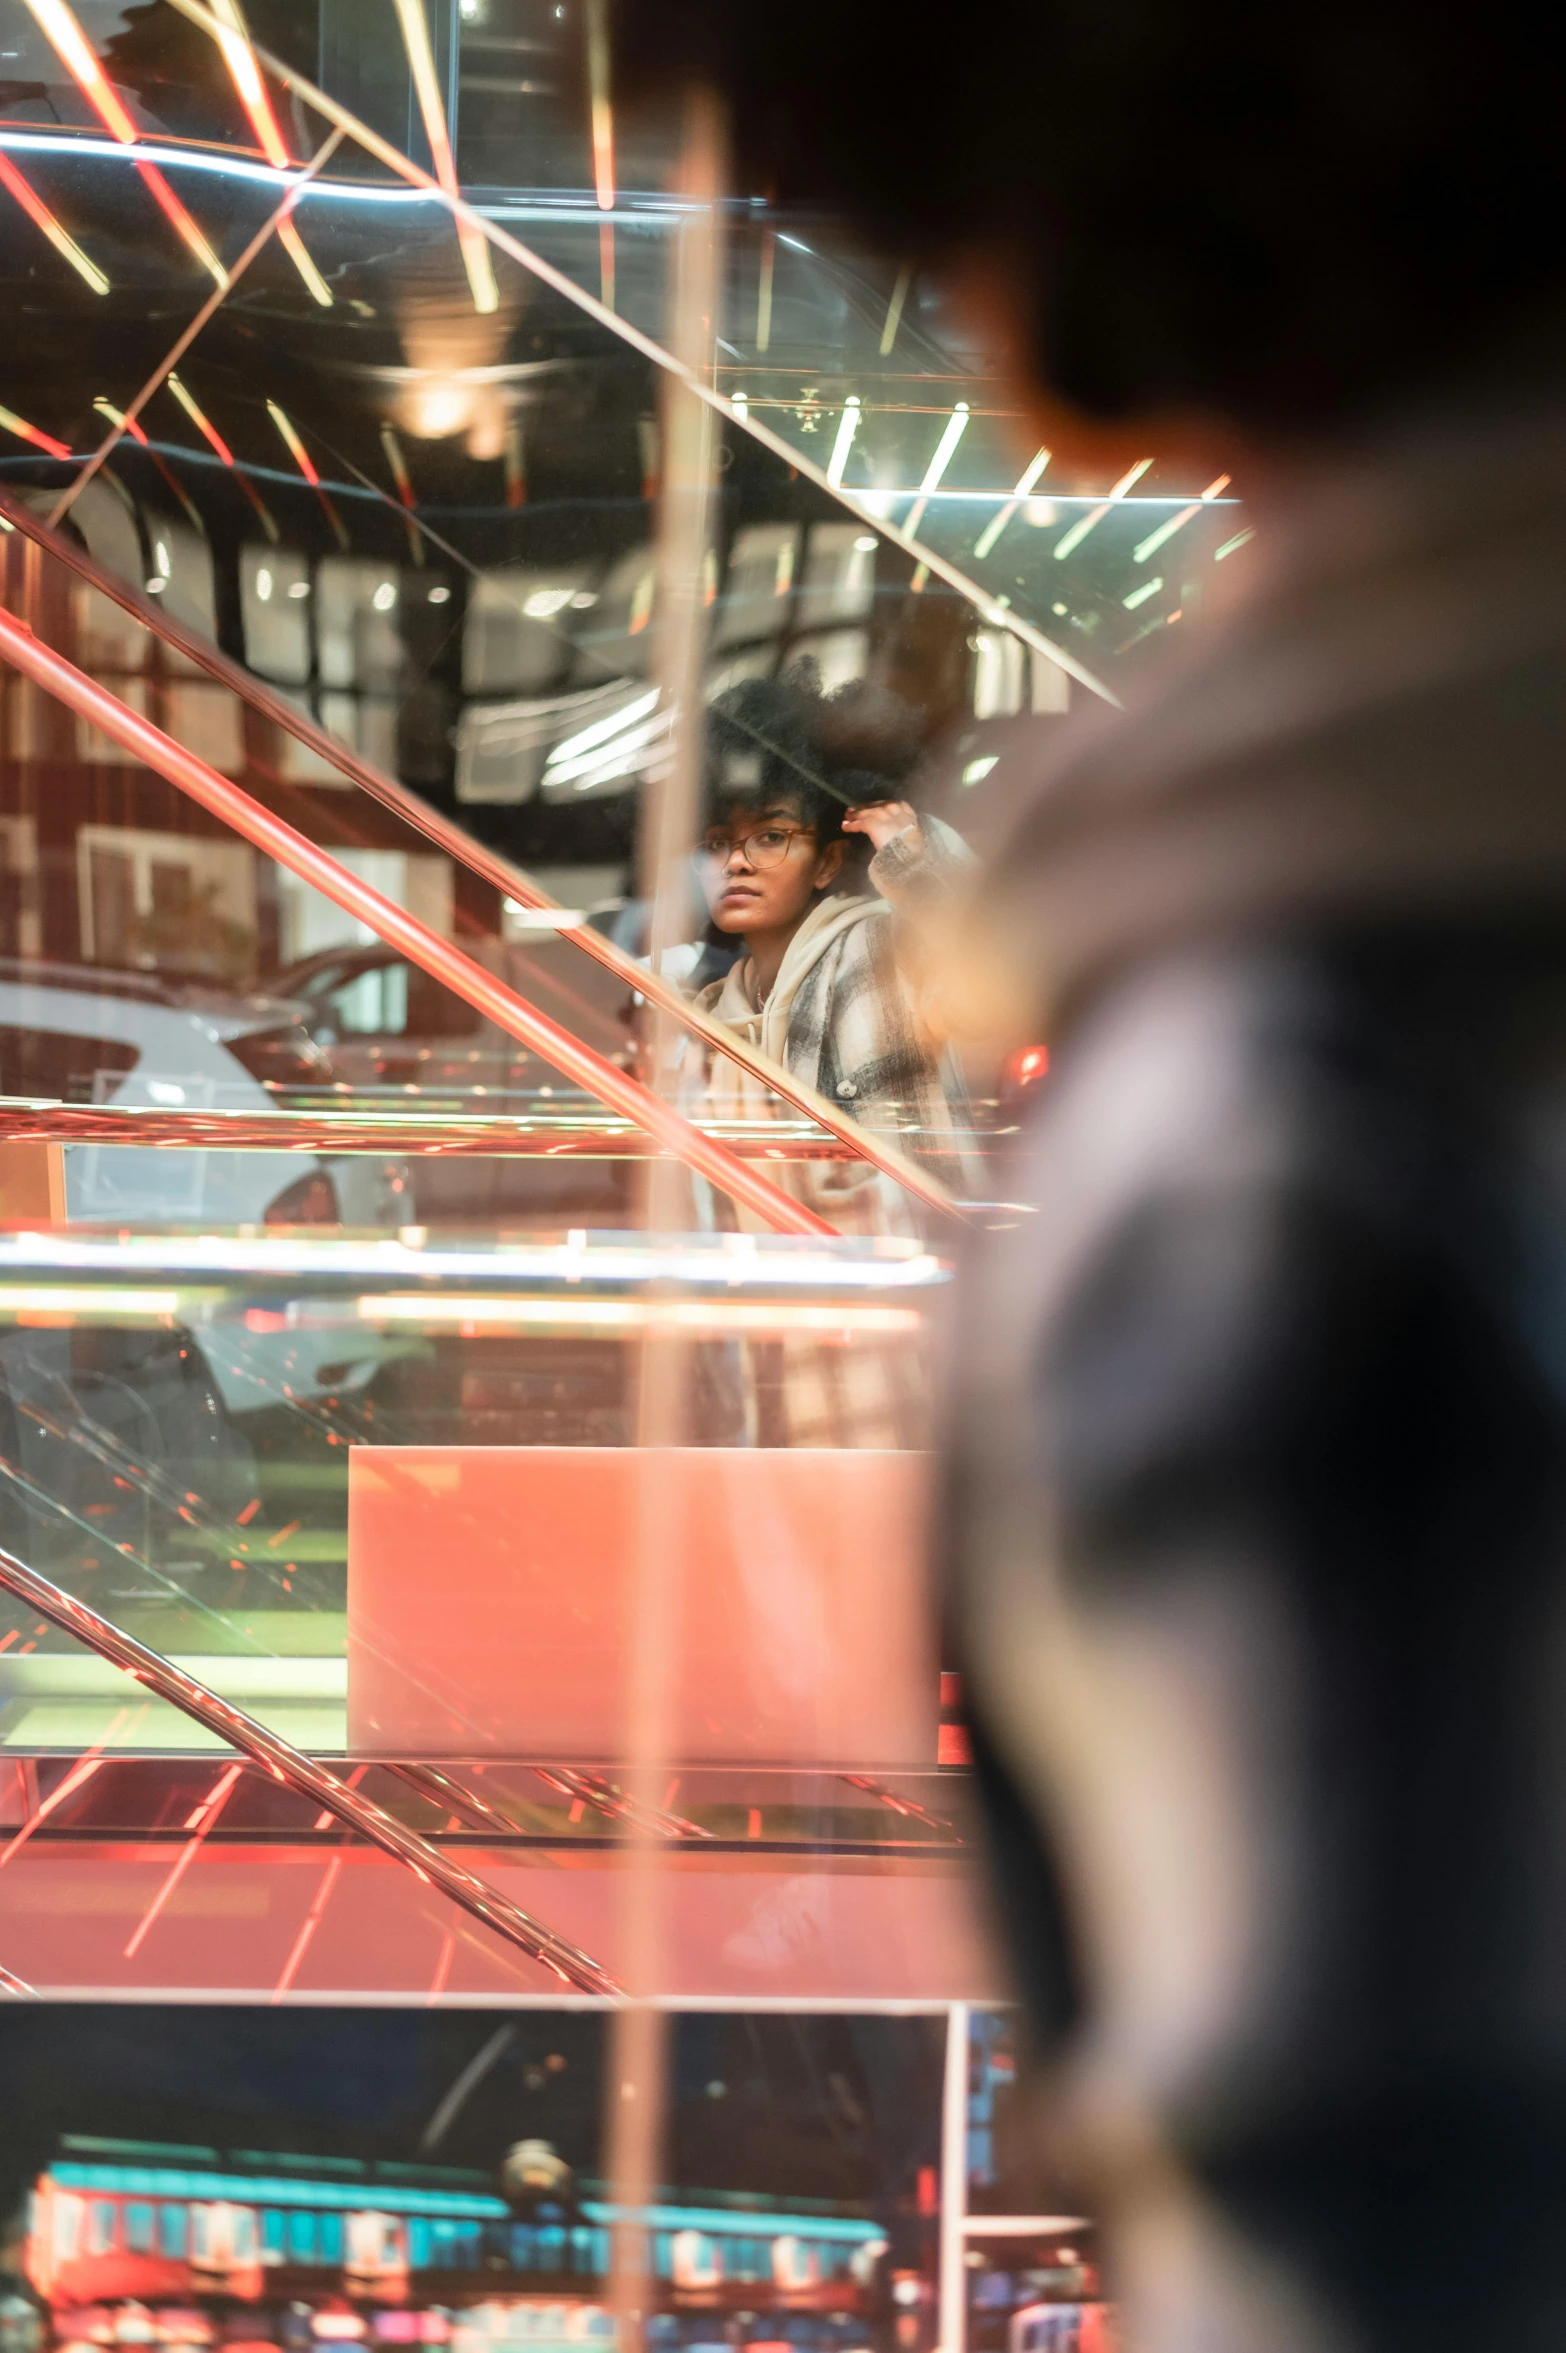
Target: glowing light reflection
(25,432)
(426,82)
(1072,539)
(65,36)
(713,1318)
(999,521)
(38,212)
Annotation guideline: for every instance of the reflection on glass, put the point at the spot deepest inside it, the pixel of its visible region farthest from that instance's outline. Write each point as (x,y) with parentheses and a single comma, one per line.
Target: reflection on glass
(350,1353)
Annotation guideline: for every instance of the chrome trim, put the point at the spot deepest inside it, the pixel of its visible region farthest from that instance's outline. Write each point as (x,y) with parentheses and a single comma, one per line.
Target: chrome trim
(559,1136)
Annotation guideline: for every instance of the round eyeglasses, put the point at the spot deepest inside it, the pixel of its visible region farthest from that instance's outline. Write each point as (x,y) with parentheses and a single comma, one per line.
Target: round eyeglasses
(766,847)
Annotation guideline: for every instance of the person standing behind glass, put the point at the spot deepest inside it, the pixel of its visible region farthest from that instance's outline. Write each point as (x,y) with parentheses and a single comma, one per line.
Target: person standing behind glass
(824,884)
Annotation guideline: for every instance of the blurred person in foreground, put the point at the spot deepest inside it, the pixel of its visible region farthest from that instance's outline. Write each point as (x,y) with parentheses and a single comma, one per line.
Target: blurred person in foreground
(829,881)
(1258,1487)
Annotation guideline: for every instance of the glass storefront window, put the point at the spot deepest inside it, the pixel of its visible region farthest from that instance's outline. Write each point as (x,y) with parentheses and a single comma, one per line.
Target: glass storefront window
(467,1351)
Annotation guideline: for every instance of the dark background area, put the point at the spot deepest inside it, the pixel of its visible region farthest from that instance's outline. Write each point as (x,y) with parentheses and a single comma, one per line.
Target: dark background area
(838,2108)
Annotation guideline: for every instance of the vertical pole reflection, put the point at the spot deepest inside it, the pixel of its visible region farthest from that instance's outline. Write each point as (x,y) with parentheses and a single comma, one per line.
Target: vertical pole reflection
(953,2310)
(636,2074)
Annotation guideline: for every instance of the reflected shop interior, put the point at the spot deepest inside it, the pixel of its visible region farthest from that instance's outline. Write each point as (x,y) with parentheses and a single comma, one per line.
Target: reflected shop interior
(487,1851)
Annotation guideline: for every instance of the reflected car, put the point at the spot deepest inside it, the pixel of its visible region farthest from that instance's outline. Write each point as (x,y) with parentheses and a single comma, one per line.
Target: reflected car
(390,1032)
(78,1034)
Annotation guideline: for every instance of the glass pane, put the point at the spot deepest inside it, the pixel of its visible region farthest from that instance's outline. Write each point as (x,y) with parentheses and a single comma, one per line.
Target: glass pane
(464,1299)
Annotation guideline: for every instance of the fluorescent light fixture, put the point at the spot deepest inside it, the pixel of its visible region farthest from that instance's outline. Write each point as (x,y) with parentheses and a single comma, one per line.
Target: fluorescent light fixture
(1079,530)
(602,729)
(80,60)
(245,72)
(764,291)
(1072,539)
(605,759)
(426,83)
(257,104)
(296,448)
(998,522)
(1131,476)
(106,408)
(200,1259)
(955,427)
(213,437)
(977,770)
(294,246)
(301,458)
(199,418)
(1229,546)
(1165,532)
(12,423)
(848,426)
(39,214)
(75,52)
(716,1317)
(398,464)
(543,918)
(92,1300)
(600,109)
(894,310)
(1139,596)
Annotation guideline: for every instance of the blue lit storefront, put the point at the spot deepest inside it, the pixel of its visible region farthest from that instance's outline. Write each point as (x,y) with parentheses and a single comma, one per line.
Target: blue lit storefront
(170,2247)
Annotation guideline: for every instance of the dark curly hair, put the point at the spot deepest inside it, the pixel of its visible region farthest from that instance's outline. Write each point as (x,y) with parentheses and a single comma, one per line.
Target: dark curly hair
(783,739)
(1278,218)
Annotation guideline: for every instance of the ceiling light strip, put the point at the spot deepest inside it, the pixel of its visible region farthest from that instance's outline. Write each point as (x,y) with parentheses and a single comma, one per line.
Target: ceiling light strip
(426,83)
(122,425)
(953,431)
(1071,540)
(848,426)
(12,423)
(184,340)
(1166,531)
(302,459)
(1002,517)
(214,439)
(404,481)
(566,286)
(59,25)
(244,67)
(38,212)
(600,109)
(181,222)
(199,418)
